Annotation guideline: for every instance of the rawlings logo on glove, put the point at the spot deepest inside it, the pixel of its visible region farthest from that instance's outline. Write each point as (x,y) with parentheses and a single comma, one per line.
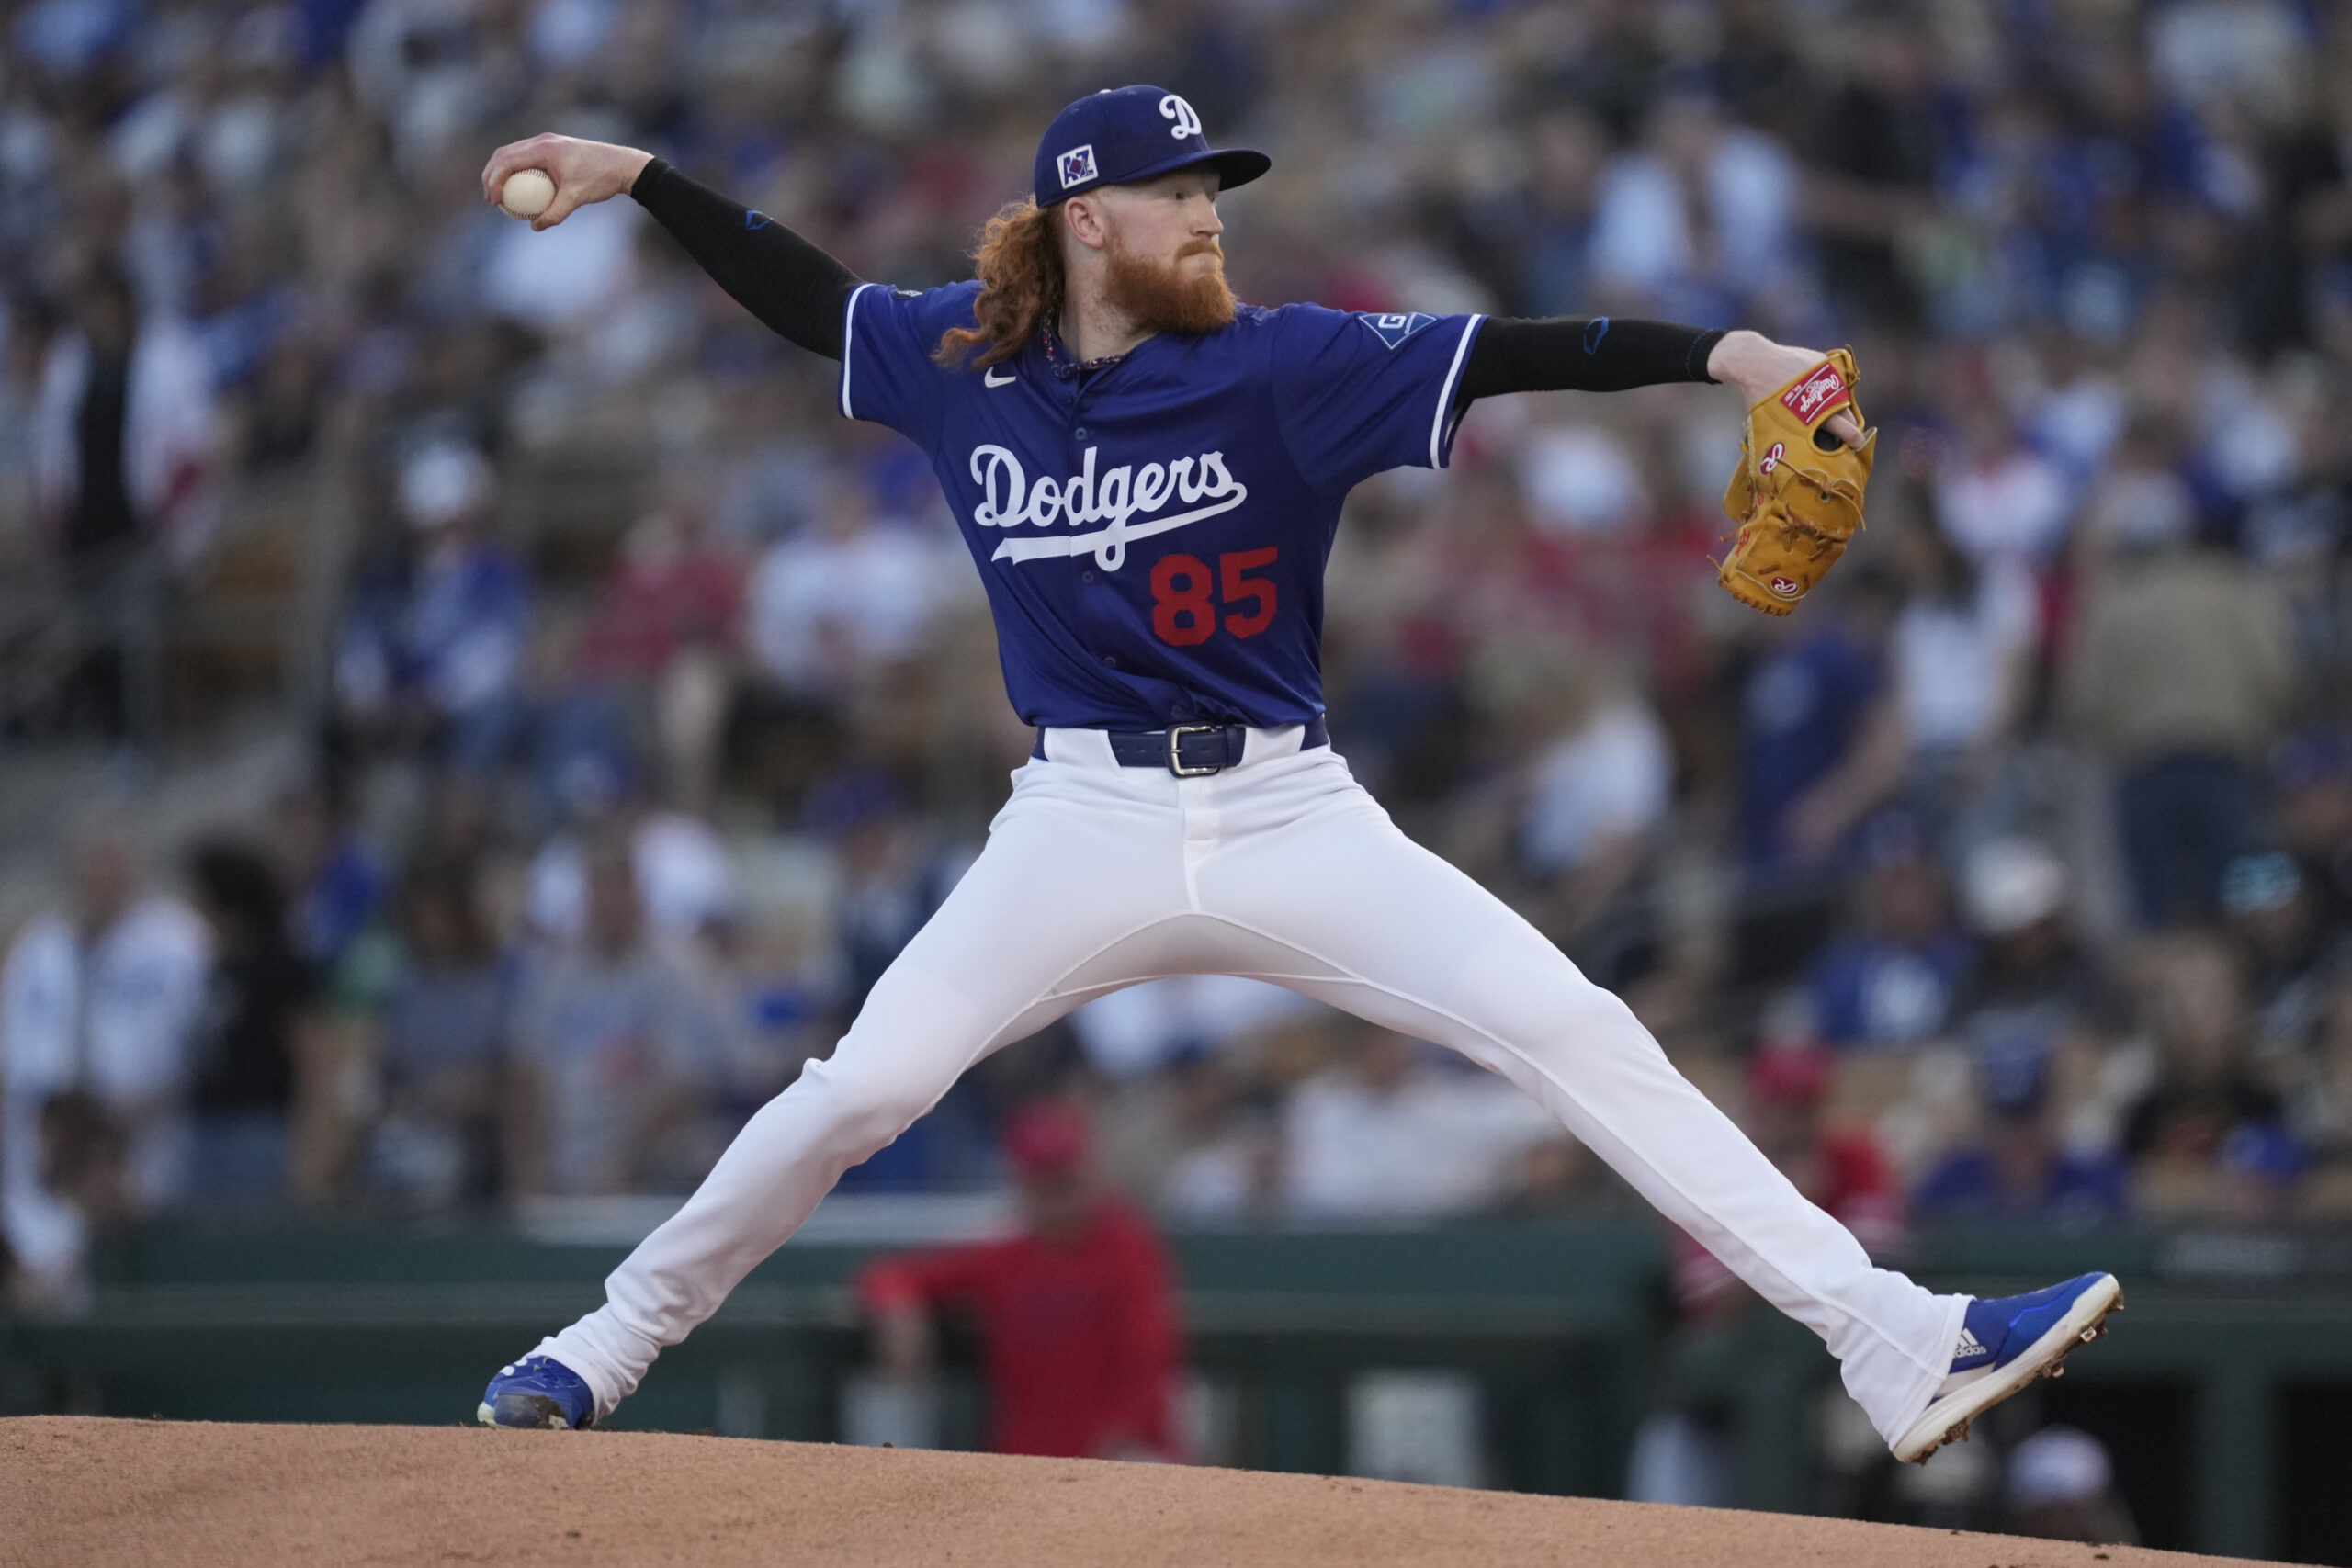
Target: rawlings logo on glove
(1817,393)
(1797,502)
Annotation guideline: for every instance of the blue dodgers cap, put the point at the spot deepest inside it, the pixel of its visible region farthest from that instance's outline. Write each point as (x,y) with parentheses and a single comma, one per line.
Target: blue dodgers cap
(1131,133)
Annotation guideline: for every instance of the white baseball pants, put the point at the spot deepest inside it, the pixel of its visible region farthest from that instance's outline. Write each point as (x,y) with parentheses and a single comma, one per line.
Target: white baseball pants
(1097,876)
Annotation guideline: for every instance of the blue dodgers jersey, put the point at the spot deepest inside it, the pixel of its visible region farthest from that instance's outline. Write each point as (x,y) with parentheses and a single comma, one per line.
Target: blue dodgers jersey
(1153,533)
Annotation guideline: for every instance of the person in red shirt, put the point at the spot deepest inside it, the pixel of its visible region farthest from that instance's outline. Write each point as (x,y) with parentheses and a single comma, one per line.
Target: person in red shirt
(675,589)
(1078,1331)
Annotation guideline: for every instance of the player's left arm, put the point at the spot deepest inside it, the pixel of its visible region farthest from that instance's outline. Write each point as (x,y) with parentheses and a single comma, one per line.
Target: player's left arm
(1602,354)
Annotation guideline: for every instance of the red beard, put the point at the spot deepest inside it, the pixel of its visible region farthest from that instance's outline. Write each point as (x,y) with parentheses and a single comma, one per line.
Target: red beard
(1162,297)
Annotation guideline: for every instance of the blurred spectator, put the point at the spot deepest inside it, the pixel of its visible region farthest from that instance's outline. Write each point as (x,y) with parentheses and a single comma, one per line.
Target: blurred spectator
(333,884)
(1578,813)
(1596,795)
(679,865)
(1893,981)
(2001,502)
(1567,149)
(2274,919)
(1695,223)
(2019,1169)
(665,631)
(2140,496)
(1166,1022)
(2033,990)
(1875,150)
(2209,1136)
(673,589)
(2249,51)
(257,1059)
(1391,1133)
(613,1056)
(2312,778)
(429,70)
(893,874)
(122,444)
(123,434)
(1081,1342)
(2319,1091)
(444,1033)
(2179,678)
(2062,1487)
(431,654)
(1801,716)
(1188,1143)
(853,591)
(1958,660)
(99,1002)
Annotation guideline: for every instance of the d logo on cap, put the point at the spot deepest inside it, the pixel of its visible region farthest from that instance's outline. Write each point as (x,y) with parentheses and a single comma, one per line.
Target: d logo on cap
(1188,124)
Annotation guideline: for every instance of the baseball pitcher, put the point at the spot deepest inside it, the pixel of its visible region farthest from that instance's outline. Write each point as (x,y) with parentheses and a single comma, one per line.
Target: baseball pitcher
(1149,476)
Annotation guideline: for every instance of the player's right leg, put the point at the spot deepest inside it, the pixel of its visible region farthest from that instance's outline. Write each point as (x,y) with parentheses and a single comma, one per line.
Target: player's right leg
(1079,878)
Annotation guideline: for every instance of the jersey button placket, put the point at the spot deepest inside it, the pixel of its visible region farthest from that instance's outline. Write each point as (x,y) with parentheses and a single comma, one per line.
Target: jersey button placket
(1079,435)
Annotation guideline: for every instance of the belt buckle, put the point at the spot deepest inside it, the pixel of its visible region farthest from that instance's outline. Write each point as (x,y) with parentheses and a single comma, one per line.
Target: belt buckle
(1176,732)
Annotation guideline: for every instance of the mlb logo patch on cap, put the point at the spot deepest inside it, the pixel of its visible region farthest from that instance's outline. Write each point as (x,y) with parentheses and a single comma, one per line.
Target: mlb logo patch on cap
(1077,166)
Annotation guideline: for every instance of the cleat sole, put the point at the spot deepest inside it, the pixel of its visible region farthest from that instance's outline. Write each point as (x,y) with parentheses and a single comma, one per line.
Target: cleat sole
(525,1411)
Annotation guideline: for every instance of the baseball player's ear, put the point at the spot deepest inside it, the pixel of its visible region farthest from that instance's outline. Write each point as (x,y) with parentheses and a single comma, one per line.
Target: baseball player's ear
(1084,221)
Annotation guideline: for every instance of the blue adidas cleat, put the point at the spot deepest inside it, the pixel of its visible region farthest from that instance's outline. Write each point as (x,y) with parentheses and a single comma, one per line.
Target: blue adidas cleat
(538,1390)
(2006,1342)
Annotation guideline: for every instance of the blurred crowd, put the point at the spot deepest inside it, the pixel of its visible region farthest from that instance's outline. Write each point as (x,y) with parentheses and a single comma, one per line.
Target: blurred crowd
(2010,878)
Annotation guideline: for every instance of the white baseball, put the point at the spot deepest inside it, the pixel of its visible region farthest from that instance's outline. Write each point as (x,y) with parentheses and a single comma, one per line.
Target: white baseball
(528,193)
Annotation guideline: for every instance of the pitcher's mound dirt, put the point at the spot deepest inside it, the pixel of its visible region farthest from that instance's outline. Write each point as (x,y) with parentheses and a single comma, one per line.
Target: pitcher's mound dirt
(77,1491)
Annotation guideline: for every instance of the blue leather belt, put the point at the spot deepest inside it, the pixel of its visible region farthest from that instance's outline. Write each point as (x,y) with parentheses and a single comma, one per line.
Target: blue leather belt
(1190,751)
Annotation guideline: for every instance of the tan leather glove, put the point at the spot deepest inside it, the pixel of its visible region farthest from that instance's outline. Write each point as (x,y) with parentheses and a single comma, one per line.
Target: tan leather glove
(1797,496)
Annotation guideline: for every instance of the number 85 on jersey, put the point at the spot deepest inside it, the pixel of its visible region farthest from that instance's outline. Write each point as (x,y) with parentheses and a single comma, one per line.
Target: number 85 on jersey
(1186,597)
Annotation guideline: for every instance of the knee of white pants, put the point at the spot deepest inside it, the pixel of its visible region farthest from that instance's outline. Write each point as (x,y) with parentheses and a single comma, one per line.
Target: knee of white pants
(862,1107)
(1546,1004)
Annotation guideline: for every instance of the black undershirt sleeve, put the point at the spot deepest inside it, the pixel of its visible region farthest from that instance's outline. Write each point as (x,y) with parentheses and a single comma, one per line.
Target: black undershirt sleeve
(794,289)
(1581,355)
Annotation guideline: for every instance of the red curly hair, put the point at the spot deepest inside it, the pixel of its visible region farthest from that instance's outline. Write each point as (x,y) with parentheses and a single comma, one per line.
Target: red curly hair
(1019,263)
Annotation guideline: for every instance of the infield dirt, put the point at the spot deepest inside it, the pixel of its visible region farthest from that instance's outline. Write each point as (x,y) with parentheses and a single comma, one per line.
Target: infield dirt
(78,1491)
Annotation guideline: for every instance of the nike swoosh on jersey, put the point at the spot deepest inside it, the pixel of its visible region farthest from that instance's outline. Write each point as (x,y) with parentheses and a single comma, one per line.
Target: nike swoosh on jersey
(991,378)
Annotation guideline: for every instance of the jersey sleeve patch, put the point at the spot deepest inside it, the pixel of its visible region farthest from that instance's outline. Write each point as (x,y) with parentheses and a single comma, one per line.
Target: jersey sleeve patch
(1394,327)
